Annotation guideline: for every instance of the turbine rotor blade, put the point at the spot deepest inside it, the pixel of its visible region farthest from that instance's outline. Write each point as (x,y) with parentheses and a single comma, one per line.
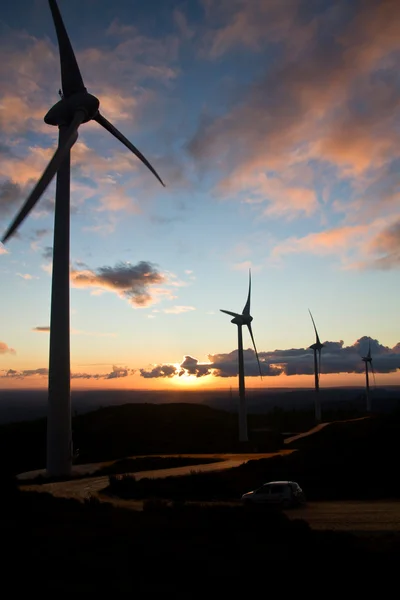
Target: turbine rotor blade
(114,131)
(246,310)
(315,329)
(228,312)
(71,78)
(255,349)
(48,174)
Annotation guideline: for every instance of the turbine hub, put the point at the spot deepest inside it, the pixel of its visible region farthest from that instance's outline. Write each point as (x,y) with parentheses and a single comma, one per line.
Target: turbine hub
(63,112)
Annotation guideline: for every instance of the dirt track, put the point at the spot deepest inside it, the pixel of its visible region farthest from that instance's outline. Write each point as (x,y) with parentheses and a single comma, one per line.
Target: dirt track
(381,515)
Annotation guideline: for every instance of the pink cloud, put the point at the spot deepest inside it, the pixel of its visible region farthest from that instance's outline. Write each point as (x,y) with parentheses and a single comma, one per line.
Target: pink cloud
(4,349)
(317,102)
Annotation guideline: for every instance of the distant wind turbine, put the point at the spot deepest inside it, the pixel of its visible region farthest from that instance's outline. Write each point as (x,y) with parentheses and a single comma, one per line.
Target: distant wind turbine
(317,347)
(368,360)
(243,319)
(76,106)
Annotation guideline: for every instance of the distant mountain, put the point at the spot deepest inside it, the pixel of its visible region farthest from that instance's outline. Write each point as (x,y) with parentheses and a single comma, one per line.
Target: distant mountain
(22,405)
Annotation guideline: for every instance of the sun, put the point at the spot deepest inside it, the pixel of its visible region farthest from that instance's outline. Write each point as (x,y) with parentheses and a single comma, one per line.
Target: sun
(187,380)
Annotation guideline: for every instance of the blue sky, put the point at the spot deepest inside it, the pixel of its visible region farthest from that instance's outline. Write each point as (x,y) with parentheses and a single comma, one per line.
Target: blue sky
(275,127)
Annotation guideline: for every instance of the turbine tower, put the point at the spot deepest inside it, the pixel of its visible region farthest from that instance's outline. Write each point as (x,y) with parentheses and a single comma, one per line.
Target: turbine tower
(368,360)
(76,107)
(243,319)
(316,348)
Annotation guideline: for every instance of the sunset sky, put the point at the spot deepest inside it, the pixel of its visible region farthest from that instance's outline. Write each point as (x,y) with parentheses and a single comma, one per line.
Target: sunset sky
(275,126)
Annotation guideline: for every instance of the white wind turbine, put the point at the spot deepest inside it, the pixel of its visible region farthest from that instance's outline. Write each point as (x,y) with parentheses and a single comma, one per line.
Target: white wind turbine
(243,319)
(316,348)
(368,361)
(76,106)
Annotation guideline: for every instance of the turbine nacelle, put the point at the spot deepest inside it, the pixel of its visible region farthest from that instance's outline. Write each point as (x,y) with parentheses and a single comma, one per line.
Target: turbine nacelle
(64,111)
(238,319)
(317,346)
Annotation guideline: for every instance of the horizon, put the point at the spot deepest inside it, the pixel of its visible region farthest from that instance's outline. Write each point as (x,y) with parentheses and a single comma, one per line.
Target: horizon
(273,128)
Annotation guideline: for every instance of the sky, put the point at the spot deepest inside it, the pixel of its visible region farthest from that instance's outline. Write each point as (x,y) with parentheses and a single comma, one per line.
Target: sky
(275,126)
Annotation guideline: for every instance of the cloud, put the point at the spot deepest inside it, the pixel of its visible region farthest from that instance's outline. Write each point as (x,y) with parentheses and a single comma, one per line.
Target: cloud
(11,194)
(12,373)
(115,373)
(26,276)
(385,247)
(4,349)
(46,329)
(178,310)
(159,371)
(246,24)
(134,283)
(191,366)
(48,253)
(326,105)
(375,245)
(336,358)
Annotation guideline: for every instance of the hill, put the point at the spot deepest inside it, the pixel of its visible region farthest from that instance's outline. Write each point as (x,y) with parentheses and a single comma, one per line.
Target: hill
(135,429)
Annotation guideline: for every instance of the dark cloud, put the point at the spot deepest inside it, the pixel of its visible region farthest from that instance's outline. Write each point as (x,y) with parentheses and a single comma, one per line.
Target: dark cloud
(48,253)
(159,371)
(192,366)
(116,373)
(336,358)
(4,349)
(130,282)
(10,195)
(43,329)
(12,373)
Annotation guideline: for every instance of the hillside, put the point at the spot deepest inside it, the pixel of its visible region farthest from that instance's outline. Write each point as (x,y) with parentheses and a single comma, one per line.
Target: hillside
(131,429)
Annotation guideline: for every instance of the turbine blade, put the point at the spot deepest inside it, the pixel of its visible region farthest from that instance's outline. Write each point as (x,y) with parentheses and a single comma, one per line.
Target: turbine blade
(246,310)
(114,131)
(71,78)
(228,312)
(255,349)
(48,174)
(315,329)
(369,349)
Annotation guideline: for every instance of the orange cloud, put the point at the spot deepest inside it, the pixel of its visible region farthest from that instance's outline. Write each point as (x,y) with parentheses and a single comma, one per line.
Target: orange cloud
(328,97)
(4,349)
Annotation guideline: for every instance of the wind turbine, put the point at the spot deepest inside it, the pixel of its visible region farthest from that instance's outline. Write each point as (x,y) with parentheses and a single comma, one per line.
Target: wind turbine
(76,106)
(243,319)
(368,360)
(317,347)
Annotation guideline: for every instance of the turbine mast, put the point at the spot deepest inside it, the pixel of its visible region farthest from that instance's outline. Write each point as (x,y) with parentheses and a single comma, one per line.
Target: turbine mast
(243,434)
(317,403)
(59,435)
(367,387)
